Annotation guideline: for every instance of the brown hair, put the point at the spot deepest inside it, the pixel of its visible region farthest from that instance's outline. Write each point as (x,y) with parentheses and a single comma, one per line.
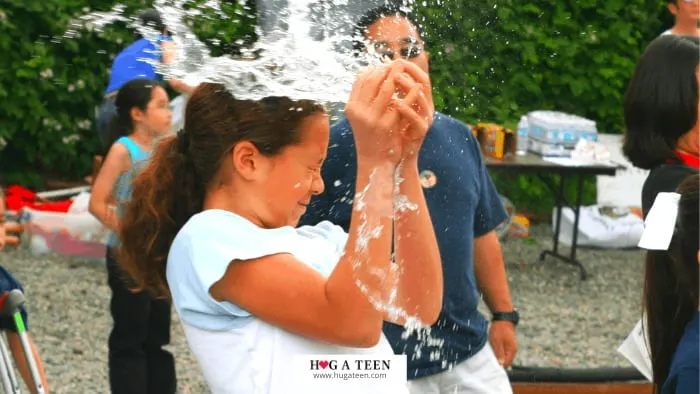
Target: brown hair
(171,189)
(671,283)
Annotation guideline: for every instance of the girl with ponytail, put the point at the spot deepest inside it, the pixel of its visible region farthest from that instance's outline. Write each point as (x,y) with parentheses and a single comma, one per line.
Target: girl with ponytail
(212,225)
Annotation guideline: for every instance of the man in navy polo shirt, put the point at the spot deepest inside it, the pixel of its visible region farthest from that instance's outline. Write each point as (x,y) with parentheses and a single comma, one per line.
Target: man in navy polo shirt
(465,209)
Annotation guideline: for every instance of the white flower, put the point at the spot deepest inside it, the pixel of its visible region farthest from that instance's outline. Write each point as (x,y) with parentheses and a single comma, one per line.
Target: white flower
(84,124)
(48,73)
(80,83)
(71,87)
(70,138)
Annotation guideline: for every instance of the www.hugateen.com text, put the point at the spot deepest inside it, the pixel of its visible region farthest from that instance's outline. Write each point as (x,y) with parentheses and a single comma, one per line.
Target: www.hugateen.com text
(349,375)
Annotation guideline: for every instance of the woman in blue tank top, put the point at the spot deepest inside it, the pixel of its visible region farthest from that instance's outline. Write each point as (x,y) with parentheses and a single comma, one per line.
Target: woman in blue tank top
(134,62)
(137,362)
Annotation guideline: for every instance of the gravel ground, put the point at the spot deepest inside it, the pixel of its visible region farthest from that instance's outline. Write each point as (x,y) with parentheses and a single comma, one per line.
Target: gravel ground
(565,322)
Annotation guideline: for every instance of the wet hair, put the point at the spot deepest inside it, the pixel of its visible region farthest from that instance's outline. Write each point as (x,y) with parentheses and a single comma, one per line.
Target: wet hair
(372,16)
(661,103)
(172,188)
(136,93)
(671,283)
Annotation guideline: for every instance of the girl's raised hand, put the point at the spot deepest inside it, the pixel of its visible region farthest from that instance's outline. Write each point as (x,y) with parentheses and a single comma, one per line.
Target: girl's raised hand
(415,105)
(373,117)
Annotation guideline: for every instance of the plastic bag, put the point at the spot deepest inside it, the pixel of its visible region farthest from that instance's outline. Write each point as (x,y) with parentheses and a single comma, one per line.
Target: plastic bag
(74,234)
(603,227)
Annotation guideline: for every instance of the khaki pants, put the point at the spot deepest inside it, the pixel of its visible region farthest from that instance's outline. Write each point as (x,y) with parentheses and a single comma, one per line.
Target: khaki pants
(480,374)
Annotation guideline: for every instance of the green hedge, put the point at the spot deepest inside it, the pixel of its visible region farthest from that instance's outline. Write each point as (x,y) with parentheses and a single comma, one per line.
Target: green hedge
(491,60)
(50,85)
(495,60)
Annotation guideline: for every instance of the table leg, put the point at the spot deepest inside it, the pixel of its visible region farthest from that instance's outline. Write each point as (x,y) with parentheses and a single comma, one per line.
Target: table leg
(560,201)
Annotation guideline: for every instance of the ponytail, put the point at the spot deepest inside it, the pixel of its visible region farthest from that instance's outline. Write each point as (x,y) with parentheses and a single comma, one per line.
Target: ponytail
(169,191)
(166,194)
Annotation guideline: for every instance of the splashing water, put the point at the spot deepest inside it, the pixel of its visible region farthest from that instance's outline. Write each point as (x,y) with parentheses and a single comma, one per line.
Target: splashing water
(293,64)
(387,303)
(283,62)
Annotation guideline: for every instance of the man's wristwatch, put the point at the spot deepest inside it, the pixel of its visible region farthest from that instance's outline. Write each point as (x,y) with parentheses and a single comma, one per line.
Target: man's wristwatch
(513,316)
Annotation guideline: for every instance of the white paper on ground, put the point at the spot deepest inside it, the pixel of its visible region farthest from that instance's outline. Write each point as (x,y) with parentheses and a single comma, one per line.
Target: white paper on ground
(635,349)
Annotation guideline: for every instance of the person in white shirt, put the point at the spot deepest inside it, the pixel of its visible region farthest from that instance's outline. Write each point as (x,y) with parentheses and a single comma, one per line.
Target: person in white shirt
(687,16)
(212,221)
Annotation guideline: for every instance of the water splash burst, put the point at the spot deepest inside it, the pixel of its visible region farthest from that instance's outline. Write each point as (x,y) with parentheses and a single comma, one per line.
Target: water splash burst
(286,61)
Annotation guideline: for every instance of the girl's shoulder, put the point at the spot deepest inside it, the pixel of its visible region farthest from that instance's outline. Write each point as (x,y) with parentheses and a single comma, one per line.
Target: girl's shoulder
(133,149)
(118,157)
(218,227)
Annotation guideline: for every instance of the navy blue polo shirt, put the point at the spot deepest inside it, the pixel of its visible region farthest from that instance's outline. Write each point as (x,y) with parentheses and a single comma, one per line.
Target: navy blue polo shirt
(463,204)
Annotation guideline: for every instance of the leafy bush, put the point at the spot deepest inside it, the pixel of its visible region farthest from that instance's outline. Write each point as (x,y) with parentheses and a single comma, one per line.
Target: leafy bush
(491,60)
(495,60)
(50,85)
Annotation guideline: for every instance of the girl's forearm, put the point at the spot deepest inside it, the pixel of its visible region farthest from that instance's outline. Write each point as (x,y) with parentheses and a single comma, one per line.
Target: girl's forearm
(420,289)
(362,275)
(106,215)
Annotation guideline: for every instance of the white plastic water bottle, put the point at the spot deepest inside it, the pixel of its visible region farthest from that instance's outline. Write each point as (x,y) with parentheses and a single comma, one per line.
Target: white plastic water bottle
(522,140)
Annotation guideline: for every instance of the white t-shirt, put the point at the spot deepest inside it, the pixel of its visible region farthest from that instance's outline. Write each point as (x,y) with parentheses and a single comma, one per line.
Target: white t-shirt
(238,353)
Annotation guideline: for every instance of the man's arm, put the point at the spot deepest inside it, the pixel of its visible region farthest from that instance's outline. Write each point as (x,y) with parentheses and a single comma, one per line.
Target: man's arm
(168,47)
(490,273)
(489,268)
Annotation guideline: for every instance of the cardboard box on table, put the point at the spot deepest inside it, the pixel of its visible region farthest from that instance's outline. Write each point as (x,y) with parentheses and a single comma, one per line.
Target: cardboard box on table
(495,140)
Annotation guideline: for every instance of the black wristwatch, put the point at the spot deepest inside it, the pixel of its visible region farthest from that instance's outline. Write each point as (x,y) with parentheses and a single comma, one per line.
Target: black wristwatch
(513,316)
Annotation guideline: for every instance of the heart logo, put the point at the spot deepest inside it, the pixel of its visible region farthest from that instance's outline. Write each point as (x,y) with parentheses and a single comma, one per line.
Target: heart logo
(323,364)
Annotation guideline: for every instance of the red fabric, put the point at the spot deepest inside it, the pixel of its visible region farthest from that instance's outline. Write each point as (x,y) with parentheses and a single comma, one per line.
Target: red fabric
(18,197)
(688,159)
